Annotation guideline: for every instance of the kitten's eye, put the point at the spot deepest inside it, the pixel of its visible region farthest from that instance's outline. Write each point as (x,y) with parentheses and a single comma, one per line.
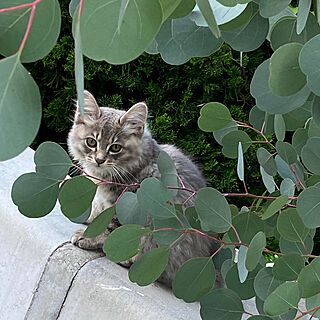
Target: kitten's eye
(92,143)
(115,148)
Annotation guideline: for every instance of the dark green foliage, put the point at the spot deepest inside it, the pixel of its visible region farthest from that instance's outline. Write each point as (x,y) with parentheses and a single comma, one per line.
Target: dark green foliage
(173,94)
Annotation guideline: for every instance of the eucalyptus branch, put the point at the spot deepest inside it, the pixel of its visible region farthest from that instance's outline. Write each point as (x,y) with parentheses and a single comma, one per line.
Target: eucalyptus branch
(297,176)
(245,125)
(303,313)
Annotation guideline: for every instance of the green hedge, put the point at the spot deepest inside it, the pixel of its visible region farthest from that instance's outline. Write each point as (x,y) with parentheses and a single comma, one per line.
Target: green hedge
(173,94)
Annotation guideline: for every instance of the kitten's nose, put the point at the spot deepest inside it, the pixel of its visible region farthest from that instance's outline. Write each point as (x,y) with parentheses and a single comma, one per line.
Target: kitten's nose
(100,161)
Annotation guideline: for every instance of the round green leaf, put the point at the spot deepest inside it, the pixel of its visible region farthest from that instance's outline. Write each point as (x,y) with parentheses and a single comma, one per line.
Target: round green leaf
(267,180)
(181,39)
(309,278)
(279,127)
(213,210)
(290,226)
(299,139)
(43,34)
(155,200)
(265,283)
(231,141)
(247,226)
(226,266)
(52,161)
(310,154)
(183,9)
(284,169)
(245,290)
(308,206)
(34,194)
(296,247)
(193,218)
(249,36)
(214,116)
(194,279)
(285,31)
(149,267)
(303,12)
(255,249)
(309,57)
(169,175)
(267,161)
(287,187)
(243,271)
(128,210)
(239,21)
(269,102)
(20,108)
(83,218)
(286,152)
(224,304)
(269,8)
(123,243)
(286,78)
(260,317)
(100,223)
(219,134)
(288,267)
(275,206)
(76,196)
(314,129)
(168,7)
(118,31)
(282,299)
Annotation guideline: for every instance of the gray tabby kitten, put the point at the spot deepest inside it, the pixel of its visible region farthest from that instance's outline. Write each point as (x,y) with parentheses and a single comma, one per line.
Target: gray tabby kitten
(117,146)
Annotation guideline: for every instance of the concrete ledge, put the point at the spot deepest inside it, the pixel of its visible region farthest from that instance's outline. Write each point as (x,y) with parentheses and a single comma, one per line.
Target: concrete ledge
(43,276)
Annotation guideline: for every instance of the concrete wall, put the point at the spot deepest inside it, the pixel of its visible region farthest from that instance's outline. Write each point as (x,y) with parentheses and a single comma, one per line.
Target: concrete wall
(43,276)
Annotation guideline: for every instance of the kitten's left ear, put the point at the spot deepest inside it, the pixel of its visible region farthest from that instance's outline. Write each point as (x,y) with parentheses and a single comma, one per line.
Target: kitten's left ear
(135,118)
(91,109)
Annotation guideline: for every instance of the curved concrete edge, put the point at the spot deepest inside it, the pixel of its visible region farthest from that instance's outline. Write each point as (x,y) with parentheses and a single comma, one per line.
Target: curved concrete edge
(43,276)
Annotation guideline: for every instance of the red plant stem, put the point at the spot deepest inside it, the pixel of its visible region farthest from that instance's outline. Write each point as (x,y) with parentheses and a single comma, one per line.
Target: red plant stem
(236,232)
(189,198)
(245,187)
(175,241)
(22,6)
(80,9)
(297,176)
(249,195)
(28,29)
(123,191)
(245,125)
(303,313)
(217,251)
(263,125)
(181,182)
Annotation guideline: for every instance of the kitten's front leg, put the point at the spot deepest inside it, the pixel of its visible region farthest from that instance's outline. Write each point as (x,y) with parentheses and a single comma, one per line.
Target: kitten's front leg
(83,242)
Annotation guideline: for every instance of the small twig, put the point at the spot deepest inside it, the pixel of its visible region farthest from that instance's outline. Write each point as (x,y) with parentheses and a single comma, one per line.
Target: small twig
(245,187)
(181,182)
(22,6)
(236,232)
(297,176)
(217,251)
(123,191)
(174,242)
(189,198)
(303,313)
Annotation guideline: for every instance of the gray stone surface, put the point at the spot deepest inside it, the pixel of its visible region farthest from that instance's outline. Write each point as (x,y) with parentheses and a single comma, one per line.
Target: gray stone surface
(106,292)
(59,272)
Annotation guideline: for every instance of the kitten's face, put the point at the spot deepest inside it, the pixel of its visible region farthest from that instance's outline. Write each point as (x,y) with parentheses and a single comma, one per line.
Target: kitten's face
(107,142)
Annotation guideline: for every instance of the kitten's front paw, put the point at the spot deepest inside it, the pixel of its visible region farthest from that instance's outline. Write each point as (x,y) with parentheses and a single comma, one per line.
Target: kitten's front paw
(82,242)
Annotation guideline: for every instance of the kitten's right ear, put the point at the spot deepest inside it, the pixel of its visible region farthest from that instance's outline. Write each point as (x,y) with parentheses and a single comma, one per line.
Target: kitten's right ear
(91,109)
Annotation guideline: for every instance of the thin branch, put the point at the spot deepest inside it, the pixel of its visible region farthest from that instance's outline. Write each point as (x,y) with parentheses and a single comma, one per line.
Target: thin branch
(297,176)
(22,6)
(303,313)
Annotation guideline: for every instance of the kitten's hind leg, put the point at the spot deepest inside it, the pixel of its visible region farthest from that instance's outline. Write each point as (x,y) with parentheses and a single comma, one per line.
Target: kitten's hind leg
(83,242)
